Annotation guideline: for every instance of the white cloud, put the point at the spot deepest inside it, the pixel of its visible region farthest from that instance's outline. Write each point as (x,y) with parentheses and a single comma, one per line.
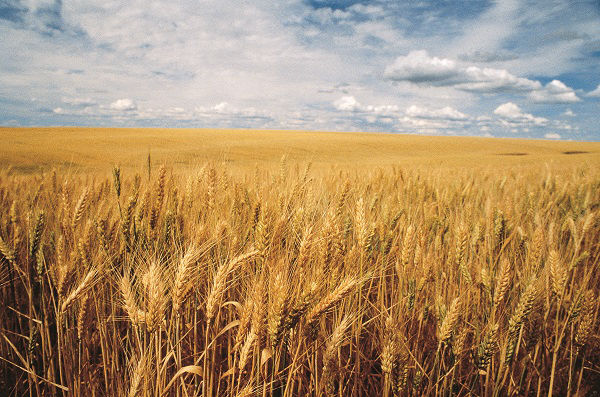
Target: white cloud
(347,103)
(79,102)
(424,125)
(552,135)
(412,113)
(420,68)
(223,107)
(58,110)
(569,113)
(227,115)
(509,110)
(513,114)
(383,109)
(494,80)
(350,104)
(415,118)
(124,104)
(554,92)
(445,113)
(594,93)
(563,125)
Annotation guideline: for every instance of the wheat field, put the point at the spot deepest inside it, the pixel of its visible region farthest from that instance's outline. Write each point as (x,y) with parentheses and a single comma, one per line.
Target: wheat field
(205,263)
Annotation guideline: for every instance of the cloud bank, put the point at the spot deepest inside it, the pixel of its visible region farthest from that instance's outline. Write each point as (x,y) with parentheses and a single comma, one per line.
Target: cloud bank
(420,68)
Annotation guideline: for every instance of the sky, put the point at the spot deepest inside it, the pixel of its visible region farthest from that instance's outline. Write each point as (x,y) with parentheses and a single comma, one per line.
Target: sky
(512,68)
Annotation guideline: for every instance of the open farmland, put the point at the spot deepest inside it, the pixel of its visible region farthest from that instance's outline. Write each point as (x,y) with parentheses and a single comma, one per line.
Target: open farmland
(96,149)
(148,262)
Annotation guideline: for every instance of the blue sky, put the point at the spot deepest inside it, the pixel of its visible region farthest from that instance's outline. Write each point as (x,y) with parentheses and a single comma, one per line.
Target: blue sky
(508,69)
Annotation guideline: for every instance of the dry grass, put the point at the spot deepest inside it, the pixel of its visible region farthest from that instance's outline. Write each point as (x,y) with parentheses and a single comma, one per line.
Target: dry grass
(370,277)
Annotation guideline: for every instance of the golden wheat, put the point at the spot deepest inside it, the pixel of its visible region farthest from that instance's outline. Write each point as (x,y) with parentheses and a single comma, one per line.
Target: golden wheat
(385,280)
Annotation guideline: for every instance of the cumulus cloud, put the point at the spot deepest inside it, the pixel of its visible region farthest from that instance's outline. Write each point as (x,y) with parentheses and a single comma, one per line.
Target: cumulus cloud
(594,93)
(347,103)
(555,92)
(494,80)
(351,104)
(415,118)
(552,135)
(124,104)
(437,125)
(424,126)
(383,109)
(569,113)
(445,113)
(79,102)
(224,107)
(509,110)
(225,114)
(513,113)
(420,68)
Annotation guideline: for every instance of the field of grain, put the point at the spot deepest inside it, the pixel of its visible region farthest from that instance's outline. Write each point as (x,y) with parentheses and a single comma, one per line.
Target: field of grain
(261,263)
(85,150)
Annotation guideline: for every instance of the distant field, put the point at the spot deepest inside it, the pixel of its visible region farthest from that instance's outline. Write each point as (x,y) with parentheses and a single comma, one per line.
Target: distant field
(98,149)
